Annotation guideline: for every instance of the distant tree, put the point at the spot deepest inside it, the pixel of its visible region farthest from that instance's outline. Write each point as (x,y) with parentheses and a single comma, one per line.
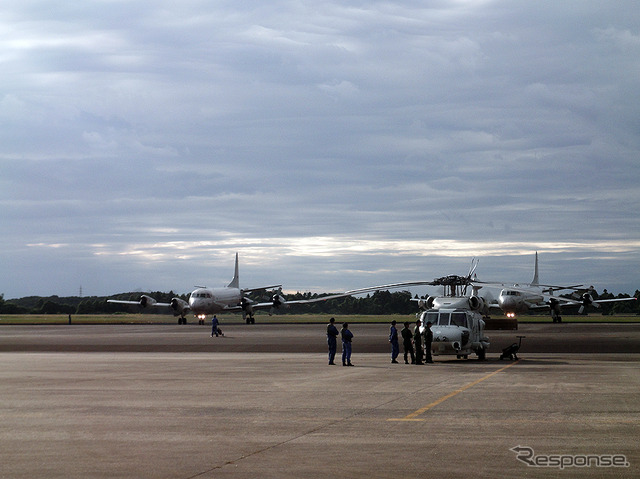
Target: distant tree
(50,307)
(10,308)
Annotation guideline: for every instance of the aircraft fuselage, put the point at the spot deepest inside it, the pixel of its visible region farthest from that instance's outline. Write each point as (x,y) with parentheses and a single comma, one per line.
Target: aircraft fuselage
(206,301)
(513,302)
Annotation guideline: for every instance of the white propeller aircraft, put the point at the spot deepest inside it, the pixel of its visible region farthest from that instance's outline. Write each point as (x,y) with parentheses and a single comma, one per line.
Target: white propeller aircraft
(208,301)
(535,296)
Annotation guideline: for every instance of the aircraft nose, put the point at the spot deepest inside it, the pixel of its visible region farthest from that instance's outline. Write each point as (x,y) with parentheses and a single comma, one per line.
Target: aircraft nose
(507,302)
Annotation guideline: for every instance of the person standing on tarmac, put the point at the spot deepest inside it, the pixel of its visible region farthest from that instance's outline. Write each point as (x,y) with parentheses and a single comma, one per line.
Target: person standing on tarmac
(428,339)
(393,339)
(407,338)
(215,327)
(417,342)
(332,334)
(347,336)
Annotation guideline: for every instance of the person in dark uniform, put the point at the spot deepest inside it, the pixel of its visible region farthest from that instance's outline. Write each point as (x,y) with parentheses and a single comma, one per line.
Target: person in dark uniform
(428,339)
(417,342)
(347,336)
(407,338)
(332,334)
(393,339)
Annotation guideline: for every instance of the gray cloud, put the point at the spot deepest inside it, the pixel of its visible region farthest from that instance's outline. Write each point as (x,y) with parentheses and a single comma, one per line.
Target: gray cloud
(334,146)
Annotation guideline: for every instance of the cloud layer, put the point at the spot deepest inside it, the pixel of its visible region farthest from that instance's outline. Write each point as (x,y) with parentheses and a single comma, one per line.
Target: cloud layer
(333,145)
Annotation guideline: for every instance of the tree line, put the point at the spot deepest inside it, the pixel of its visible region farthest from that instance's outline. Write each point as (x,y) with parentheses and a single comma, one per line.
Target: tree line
(380,302)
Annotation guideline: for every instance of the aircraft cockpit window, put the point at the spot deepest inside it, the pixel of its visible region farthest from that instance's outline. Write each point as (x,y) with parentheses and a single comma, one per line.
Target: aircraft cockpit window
(443,320)
(459,319)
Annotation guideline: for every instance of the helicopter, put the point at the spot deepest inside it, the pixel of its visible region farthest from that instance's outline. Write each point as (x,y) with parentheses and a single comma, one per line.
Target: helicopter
(456,319)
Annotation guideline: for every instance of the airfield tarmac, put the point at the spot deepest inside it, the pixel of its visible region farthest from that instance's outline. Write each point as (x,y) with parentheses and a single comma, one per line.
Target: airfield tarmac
(165,401)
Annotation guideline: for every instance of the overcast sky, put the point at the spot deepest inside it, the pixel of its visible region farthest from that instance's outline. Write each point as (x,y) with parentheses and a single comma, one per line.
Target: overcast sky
(333,145)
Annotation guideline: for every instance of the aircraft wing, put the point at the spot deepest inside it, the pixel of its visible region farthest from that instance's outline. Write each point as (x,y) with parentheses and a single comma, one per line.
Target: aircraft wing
(523,286)
(551,287)
(260,289)
(584,301)
(144,301)
(573,302)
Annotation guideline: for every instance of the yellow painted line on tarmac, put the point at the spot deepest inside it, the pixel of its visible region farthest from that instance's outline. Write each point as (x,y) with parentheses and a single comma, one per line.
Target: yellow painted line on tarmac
(414,415)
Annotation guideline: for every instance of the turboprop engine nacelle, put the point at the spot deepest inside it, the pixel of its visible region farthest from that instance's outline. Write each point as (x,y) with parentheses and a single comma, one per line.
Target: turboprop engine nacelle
(247,307)
(180,306)
(278,302)
(147,301)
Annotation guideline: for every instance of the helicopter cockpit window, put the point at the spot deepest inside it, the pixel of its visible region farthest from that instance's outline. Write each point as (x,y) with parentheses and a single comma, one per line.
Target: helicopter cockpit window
(459,319)
(433,317)
(443,320)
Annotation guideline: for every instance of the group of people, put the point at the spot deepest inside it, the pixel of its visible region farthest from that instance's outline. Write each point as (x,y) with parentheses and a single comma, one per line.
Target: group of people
(332,340)
(416,343)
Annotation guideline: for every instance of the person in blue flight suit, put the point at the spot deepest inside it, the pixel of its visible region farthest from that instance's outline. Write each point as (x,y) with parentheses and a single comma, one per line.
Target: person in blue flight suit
(393,339)
(347,336)
(407,344)
(215,327)
(332,334)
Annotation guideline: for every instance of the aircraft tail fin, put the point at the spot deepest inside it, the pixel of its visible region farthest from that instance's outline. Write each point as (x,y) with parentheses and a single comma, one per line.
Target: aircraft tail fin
(235,282)
(535,280)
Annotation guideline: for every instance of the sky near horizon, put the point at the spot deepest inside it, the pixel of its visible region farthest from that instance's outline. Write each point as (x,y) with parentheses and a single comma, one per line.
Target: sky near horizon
(333,145)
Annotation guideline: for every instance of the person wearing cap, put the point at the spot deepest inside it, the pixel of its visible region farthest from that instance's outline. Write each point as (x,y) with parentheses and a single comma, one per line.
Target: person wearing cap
(393,339)
(407,344)
(332,334)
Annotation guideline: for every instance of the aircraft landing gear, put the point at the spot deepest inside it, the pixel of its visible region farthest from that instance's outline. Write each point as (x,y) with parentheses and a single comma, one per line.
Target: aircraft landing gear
(251,320)
(182,320)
